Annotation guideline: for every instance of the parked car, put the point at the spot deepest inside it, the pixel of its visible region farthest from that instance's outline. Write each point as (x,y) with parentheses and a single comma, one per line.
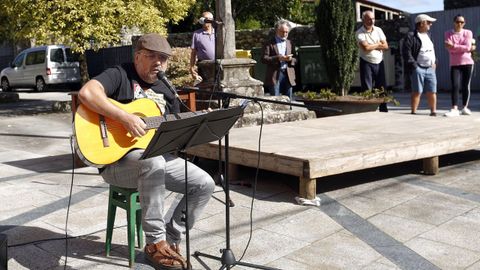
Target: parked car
(40,68)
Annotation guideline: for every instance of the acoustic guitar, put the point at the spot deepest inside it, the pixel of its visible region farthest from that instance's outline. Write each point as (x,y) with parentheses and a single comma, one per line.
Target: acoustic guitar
(100,140)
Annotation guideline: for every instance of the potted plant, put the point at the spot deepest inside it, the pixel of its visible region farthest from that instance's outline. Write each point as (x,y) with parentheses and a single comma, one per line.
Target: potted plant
(354,103)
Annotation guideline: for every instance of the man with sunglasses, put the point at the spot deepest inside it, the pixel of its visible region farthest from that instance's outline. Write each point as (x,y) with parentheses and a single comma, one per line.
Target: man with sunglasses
(125,83)
(419,58)
(203,46)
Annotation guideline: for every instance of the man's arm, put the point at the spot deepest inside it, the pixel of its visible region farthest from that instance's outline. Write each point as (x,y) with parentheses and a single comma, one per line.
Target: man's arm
(269,59)
(193,60)
(93,96)
(381,45)
(407,53)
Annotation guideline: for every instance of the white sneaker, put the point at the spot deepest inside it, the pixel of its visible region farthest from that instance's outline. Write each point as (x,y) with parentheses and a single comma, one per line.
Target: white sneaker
(452,113)
(466,111)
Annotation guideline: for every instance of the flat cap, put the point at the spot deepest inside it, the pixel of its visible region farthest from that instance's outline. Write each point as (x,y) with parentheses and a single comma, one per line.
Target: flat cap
(154,42)
(424,17)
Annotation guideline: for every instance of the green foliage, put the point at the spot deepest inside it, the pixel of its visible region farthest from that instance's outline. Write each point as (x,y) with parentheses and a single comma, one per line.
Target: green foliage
(335,26)
(250,23)
(453,4)
(328,94)
(325,94)
(178,67)
(267,12)
(378,93)
(78,22)
(303,12)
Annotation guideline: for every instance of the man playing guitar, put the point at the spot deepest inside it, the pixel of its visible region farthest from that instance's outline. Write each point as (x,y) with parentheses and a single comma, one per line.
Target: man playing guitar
(124,84)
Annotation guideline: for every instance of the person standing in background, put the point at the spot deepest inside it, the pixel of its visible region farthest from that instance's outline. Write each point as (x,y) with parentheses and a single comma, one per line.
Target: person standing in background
(419,58)
(371,44)
(279,56)
(203,45)
(459,44)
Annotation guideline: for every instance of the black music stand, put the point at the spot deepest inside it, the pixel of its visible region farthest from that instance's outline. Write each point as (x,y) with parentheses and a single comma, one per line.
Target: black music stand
(181,134)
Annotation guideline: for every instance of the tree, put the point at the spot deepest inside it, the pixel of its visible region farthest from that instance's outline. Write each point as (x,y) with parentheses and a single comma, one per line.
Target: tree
(83,23)
(78,22)
(335,26)
(453,4)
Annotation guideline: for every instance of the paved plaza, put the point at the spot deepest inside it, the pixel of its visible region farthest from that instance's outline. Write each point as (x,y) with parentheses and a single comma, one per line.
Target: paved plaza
(390,217)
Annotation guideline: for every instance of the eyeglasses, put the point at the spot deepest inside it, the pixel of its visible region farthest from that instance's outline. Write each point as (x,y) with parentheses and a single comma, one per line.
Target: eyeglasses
(152,56)
(460,22)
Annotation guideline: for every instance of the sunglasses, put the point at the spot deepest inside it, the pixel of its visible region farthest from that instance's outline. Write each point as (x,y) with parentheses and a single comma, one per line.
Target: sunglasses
(460,22)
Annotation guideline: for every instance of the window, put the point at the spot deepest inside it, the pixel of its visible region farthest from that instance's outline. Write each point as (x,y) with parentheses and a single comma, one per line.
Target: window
(56,55)
(18,61)
(71,57)
(35,58)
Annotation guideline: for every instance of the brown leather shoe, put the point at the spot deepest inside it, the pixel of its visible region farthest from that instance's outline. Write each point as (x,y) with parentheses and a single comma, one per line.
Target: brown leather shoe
(162,256)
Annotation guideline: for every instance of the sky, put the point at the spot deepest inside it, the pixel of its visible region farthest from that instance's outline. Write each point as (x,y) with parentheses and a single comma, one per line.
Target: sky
(413,6)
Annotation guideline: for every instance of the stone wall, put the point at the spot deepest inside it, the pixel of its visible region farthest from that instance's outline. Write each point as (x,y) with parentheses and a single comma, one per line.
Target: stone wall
(248,39)
(300,36)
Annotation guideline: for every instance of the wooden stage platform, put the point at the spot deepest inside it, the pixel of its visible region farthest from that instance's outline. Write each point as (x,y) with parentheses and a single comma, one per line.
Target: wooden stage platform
(320,147)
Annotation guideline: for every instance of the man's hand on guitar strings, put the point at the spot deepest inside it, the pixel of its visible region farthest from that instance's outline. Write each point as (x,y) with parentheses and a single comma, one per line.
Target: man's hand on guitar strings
(134,125)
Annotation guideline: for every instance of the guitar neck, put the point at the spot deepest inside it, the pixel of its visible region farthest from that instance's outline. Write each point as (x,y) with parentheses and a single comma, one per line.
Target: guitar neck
(154,122)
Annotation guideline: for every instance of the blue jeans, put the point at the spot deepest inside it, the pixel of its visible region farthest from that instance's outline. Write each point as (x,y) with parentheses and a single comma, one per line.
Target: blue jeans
(282,86)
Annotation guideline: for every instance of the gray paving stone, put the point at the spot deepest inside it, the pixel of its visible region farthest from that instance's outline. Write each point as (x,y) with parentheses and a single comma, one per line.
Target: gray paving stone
(284,263)
(341,250)
(462,231)
(443,255)
(475,266)
(32,257)
(381,264)
(309,226)
(372,198)
(432,208)
(401,229)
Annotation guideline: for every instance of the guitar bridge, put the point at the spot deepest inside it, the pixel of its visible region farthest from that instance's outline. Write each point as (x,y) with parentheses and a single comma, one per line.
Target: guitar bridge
(103,131)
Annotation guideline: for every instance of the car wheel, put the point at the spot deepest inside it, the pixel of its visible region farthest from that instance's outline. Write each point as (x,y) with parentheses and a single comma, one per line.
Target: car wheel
(5,85)
(40,85)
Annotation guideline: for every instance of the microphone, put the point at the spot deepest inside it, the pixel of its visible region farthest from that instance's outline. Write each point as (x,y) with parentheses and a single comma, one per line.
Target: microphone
(161,76)
(204,20)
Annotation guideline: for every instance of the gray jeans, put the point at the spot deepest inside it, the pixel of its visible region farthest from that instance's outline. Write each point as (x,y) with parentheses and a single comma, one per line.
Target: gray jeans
(151,177)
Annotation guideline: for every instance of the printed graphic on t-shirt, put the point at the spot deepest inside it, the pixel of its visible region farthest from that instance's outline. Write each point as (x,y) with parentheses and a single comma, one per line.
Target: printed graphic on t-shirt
(138,92)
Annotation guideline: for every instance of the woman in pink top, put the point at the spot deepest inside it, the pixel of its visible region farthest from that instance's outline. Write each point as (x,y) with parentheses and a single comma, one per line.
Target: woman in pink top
(458,42)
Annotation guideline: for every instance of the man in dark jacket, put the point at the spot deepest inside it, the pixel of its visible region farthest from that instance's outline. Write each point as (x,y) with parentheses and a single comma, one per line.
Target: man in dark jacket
(279,56)
(419,58)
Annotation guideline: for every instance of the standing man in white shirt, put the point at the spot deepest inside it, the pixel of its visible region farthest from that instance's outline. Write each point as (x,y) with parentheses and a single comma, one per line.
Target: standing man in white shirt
(419,56)
(371,44)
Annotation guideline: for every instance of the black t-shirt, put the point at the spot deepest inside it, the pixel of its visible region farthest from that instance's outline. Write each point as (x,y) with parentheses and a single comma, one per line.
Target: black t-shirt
(119,84)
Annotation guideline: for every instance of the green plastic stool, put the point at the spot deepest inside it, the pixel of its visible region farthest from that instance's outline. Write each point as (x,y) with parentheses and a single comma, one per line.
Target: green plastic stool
(127,199)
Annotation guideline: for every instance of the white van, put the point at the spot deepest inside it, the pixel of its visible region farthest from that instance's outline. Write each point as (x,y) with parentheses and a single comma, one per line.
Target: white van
(41,67)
